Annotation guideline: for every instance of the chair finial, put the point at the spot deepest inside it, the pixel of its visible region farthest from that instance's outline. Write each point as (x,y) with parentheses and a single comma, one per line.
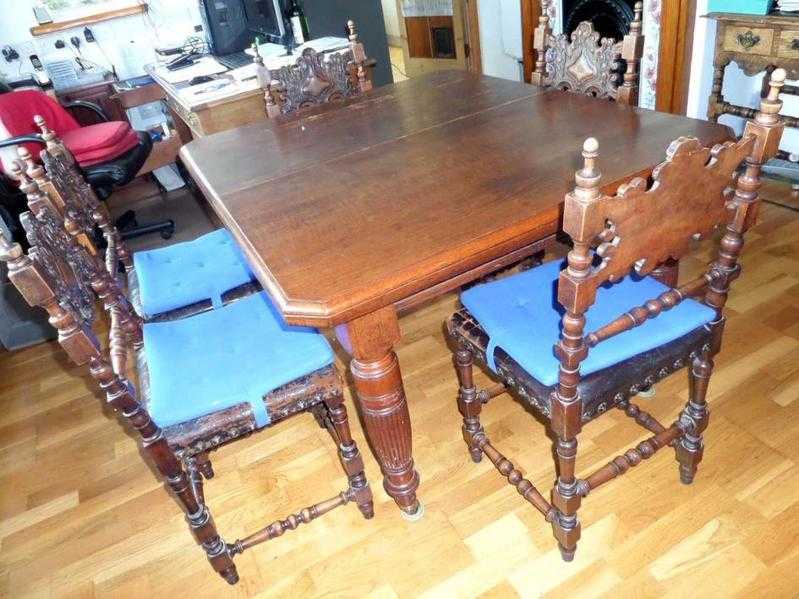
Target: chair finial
(587,179)
(9,251)
(47,133)
(353,30)
(771,105)
(637,23)
(33,170)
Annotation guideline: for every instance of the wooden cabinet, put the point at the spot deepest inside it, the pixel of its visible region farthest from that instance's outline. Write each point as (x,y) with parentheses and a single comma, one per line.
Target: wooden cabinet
(756,44)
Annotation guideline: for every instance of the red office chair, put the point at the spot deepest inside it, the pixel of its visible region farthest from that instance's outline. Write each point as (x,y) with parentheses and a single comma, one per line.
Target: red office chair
(110,153)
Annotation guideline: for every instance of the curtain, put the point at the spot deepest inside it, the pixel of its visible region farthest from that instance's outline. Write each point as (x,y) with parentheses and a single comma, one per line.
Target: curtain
(427,8)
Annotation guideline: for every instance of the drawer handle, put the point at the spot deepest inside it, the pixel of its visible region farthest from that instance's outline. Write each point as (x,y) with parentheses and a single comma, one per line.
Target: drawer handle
(795,44)
(748,40)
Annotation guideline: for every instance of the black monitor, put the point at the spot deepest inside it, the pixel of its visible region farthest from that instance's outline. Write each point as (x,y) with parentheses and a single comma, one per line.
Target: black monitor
(265,19)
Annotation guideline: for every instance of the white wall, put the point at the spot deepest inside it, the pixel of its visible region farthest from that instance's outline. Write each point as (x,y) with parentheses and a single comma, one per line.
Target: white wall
(127,43)
(738,87)
(500,37)
(391,18)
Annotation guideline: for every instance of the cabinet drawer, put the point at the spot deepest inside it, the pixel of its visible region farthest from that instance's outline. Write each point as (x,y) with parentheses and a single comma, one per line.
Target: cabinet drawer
(749,40)
(788,44)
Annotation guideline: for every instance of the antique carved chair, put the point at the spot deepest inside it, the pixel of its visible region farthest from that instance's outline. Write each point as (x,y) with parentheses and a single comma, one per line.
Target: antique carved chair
(614,330)
(165,283)
(587,64)
(315,78)
(202,381)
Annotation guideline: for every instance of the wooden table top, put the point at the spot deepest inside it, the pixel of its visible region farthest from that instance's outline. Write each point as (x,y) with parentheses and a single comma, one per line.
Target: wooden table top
(348,210)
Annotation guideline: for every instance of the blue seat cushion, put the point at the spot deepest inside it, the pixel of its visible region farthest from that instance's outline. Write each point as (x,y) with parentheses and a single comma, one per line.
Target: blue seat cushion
(224,357)
(521,315)
(186,273)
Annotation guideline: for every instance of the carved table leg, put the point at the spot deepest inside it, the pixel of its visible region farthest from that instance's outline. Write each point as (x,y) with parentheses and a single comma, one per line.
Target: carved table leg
(381,399)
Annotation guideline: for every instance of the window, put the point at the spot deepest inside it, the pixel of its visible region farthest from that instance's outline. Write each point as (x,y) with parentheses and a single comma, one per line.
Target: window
(73,9)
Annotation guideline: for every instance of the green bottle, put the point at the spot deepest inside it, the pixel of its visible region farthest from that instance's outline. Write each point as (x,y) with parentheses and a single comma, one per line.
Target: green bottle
(299,24)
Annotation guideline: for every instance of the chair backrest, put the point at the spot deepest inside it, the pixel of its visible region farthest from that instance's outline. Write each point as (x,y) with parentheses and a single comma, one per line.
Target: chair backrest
(584,63)
(315,78)
(61,276)
(60,177)
(694,191)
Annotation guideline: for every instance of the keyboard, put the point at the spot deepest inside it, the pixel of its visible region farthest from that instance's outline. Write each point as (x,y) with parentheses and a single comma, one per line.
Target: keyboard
(234,61)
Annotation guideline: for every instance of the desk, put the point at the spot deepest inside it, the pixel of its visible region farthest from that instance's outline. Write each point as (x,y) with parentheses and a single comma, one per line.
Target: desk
(199,110)
(350,214)
(195,116)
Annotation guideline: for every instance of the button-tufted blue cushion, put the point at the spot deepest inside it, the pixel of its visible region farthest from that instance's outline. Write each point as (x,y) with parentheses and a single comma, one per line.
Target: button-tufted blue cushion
(186,273)
(224,357)
(521,315)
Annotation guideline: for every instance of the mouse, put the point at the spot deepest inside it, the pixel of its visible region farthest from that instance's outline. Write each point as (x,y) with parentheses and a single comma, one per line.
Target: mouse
(200,79)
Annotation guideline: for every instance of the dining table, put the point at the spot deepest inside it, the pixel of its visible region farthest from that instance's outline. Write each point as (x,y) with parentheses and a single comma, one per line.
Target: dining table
(351,214)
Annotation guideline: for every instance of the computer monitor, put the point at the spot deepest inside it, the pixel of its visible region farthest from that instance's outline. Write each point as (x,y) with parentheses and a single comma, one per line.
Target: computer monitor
(265,19)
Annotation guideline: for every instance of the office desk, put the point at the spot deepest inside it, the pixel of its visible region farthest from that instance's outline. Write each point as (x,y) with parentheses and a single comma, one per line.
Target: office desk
(200,110)
(200,114)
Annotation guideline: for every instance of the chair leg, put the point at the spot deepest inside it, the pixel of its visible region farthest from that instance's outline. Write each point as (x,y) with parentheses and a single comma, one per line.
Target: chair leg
(468,402)
(350,456)
(694,419)
(188,491)
(566,498)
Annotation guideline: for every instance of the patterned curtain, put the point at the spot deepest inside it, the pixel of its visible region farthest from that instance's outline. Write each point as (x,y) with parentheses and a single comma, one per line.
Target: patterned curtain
(427,8)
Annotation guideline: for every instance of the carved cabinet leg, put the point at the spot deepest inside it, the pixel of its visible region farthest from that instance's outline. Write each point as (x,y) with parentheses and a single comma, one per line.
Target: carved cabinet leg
(468,402)
(350,457)
(381,399)
(714,106)
(693,419)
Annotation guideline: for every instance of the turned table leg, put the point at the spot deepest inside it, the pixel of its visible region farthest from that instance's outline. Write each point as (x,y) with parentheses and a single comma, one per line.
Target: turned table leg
(381,401)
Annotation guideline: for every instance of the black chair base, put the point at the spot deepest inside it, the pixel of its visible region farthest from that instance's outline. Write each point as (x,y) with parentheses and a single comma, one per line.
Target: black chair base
(129,227)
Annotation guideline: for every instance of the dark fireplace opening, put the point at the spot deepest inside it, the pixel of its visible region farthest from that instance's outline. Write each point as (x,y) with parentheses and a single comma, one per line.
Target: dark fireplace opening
(611,18)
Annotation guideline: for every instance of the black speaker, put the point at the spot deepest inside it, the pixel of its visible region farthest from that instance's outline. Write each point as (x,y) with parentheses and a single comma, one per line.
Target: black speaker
(226,25)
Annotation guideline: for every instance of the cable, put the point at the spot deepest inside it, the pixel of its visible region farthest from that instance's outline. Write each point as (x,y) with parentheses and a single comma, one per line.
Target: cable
(781,205)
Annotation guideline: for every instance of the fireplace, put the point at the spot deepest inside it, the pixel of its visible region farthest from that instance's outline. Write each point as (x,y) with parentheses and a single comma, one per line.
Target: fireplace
(611,18)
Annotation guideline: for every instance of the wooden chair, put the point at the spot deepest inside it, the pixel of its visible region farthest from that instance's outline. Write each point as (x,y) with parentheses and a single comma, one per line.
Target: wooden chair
(168,283)
(202,381)
(640,330)
(315,78)
(587,64)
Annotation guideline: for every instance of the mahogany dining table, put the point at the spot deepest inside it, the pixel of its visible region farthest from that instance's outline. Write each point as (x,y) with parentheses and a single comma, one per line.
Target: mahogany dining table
(352,213)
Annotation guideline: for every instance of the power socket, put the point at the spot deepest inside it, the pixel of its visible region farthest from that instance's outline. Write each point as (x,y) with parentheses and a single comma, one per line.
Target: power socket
(10,54)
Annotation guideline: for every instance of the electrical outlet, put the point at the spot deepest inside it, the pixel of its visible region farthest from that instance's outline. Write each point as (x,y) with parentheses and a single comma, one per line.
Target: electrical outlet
(10,54)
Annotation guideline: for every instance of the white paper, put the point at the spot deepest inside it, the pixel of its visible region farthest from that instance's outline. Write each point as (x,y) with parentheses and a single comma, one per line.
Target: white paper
(204,66)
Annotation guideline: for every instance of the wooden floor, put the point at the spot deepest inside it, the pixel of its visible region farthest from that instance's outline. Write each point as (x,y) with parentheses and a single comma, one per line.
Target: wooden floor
(83,516)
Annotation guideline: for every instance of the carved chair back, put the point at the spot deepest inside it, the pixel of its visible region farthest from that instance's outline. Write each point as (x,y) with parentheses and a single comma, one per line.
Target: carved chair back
(584,63)
(59,176)
(315,78)
(694,191)
(62,276)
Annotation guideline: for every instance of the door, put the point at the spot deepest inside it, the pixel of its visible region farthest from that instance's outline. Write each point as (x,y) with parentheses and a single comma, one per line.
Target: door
(438,35)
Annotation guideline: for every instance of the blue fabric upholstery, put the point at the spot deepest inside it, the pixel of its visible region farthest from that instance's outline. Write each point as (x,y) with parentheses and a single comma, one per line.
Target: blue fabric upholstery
(224,357)
(186,273)
(521,315)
